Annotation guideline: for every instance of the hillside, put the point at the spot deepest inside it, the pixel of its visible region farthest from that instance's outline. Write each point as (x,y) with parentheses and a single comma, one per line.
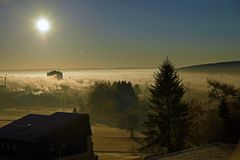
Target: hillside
(217,151)
(231,67)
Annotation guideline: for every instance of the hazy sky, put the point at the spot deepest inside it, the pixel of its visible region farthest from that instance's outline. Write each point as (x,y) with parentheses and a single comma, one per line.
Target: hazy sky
(118,33)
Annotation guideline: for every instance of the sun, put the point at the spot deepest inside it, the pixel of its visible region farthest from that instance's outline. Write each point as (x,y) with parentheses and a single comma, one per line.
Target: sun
(43,25)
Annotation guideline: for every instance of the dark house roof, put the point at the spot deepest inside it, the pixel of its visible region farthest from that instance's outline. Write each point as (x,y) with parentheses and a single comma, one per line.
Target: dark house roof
(55,73)
(33,127)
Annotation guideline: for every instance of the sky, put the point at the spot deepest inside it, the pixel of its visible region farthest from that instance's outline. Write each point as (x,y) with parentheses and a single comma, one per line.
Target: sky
(118,33)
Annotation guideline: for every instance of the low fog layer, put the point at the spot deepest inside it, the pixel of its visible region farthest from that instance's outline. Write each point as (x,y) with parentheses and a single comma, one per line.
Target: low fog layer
(80,79)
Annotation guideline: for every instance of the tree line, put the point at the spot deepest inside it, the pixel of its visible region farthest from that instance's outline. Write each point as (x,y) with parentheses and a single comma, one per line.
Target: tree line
(115,104)
(171,125)
(168,121)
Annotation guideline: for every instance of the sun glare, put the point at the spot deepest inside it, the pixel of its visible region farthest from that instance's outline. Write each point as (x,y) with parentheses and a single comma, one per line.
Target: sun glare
(43,25)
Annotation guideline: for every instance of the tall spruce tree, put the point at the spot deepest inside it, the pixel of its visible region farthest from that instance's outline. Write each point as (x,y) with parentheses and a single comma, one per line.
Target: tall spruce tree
(168,121)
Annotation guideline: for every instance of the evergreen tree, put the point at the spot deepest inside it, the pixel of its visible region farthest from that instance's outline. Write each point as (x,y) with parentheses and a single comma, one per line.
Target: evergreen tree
(167,126)
(223,93)
(124,95)
(226,95)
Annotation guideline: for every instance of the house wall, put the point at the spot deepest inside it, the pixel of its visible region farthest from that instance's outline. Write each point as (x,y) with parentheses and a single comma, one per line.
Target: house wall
(69,141)
(11,149)
(82,156)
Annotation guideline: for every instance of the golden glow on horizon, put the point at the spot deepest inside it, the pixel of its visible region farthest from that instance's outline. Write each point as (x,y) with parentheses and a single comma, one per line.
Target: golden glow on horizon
(43,25)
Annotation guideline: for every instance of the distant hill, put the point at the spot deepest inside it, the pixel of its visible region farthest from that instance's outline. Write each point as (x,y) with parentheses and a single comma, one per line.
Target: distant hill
(232,67)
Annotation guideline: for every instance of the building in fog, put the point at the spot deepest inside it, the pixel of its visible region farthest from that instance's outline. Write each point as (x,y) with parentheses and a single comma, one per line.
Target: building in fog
(57,74)
(43,137)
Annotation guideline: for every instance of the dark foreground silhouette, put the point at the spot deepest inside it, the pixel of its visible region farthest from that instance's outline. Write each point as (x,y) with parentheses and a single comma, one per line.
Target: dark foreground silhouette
(38,137)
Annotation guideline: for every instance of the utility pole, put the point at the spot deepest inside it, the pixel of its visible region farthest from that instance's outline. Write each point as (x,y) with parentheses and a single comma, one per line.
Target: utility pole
(5,81)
